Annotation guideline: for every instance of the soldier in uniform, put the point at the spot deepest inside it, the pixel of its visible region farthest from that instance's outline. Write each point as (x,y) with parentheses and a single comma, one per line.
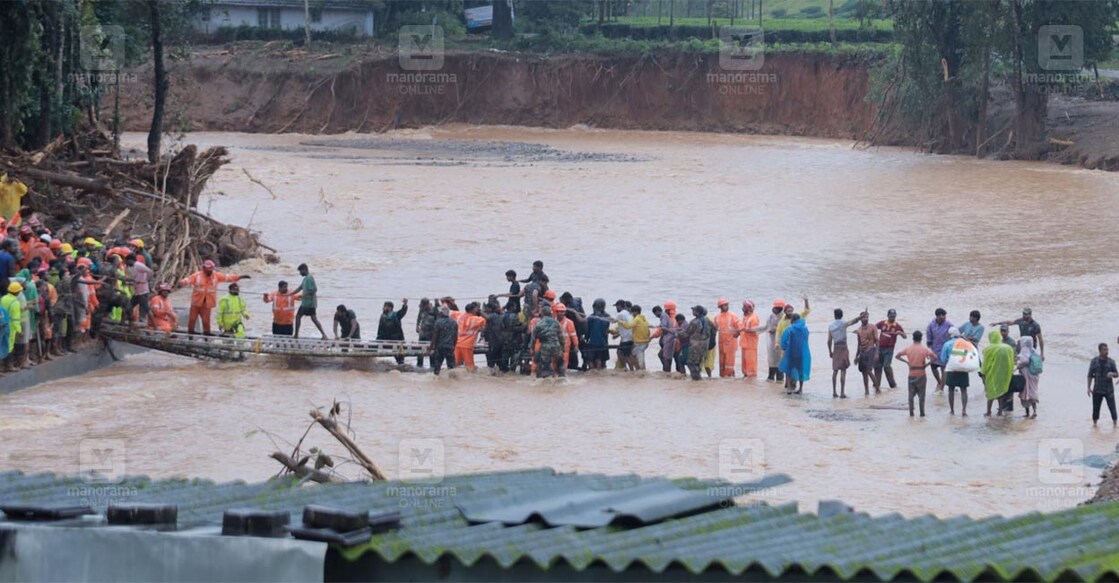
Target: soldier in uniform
(549,358)
(492,333)
(512,334)
(425,325)
(697,335)
(443,337)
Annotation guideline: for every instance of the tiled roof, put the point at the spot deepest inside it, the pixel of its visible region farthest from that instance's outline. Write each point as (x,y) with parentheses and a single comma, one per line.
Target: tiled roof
(1079,544)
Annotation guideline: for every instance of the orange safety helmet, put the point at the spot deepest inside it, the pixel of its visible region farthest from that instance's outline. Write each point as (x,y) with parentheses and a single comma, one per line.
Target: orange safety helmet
(779,303)
(722,302)
(86,261)
(559,308)
(549,295)
(670,305)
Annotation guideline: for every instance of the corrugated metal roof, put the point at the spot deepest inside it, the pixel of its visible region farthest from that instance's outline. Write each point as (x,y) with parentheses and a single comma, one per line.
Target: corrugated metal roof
(652,501)
(1080,543)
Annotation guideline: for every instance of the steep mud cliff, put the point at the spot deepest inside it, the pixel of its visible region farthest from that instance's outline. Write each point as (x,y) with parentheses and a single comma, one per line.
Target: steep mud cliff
(795,94)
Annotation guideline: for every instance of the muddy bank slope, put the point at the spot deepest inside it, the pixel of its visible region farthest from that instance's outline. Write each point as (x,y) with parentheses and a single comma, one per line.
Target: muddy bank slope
(793,94)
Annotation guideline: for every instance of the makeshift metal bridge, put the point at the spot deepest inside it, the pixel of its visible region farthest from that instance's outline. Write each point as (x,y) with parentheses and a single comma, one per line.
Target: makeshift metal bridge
(235,349)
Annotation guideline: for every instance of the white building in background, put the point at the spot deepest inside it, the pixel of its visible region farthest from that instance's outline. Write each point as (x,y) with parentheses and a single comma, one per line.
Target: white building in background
(333,15)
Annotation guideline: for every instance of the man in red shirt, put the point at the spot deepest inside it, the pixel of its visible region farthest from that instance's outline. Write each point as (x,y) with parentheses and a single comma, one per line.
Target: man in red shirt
(888,332)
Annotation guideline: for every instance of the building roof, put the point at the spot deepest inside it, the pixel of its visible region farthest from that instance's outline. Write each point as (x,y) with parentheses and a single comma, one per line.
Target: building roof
(324,4)
(1080,543)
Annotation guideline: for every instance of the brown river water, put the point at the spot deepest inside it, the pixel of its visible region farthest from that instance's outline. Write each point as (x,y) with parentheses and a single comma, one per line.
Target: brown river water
(647,217)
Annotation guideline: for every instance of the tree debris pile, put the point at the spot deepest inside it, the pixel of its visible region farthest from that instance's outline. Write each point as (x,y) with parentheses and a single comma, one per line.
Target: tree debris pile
(81,186)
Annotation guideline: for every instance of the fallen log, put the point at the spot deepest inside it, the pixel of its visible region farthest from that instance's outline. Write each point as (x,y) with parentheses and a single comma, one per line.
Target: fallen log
(302,471)
(79,182)
(359,456)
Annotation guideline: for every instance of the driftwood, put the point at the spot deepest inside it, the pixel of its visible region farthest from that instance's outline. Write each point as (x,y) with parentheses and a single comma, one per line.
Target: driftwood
(78,186)
(359,456)
(300,468)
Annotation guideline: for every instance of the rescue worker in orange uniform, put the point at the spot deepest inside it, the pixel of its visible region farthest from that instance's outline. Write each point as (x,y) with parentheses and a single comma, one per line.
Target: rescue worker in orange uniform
(726,322)
(205,295)
(283,310)
(470,325)
(161,315)
(567,326)
(747,335)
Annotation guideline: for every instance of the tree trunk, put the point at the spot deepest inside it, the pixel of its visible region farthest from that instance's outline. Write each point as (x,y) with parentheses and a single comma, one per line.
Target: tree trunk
(307,24)
(601,12)
(155,133)
(984,97)
(760,4)
(671,14)
(502,20)
(831,22)
(659,5)
(44,74)
(1031,103)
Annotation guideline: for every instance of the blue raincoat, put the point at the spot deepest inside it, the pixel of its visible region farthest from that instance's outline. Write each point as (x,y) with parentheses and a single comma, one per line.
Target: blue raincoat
(797,361)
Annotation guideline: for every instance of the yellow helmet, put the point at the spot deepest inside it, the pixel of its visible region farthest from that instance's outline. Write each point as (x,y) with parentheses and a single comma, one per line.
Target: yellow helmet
(67,248)
(15,287)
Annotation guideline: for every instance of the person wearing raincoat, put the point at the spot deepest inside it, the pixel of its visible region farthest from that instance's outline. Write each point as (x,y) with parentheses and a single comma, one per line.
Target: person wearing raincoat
(796,361)
(232,312)
(996,369)
(14,312)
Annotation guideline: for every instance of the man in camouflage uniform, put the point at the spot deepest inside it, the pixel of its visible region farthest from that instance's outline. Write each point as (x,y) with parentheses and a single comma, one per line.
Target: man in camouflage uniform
(443,337)
(512,337)
(549,359)
(697,334)
(425,324)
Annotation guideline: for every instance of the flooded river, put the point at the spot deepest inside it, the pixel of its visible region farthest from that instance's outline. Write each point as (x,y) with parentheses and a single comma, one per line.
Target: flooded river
(647,217)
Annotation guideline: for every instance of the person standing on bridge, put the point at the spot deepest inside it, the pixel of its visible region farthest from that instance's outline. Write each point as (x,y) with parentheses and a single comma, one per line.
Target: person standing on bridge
(162,315)
(346,319)
(232,312)
(391,326)
(444,336)
(425,324)
(470,325)
(283,309)
(308,305)
(205,295)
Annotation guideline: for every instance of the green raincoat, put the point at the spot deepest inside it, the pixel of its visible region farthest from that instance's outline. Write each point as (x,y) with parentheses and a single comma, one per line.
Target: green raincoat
(997,367)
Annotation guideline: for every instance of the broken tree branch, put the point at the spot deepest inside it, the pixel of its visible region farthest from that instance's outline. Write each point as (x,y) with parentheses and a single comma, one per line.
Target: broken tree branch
(359,456)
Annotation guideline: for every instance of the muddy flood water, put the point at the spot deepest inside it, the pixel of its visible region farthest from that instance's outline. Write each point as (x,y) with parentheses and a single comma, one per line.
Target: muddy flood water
(647,217)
